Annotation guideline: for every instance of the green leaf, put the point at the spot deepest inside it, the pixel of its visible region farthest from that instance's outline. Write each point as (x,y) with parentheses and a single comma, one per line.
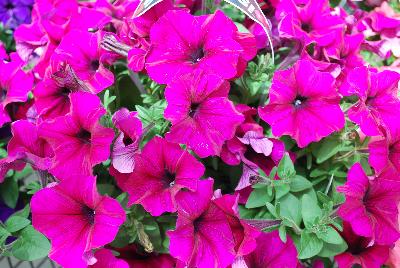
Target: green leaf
(16,223)
(330,236)
(327,148)
(309,210)
(282,233)
(291,208)
(299,183)
(310,245)
(272,209)
(23,212)
(33,187)
(31,245)
(286,167)
(330,250)
(9,192)
(317,172)
(281,190)
(258,198)
(3,235)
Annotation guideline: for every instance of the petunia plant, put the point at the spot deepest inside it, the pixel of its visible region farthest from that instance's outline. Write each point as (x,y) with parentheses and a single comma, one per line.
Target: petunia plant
(191,136)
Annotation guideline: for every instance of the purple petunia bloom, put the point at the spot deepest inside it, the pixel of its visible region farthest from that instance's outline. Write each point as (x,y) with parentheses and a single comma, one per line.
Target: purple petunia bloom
(15,12)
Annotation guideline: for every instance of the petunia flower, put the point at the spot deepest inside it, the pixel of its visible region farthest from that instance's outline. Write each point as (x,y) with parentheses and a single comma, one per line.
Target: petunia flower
(244,235)
(81,50)
(371,205)
(55,16)
(378,104)
(52,93)
(78,139)
(162,169)
(270,252)
(15,85)
(201,114)
(29,148)
(209,232)
(360,251)
(203,237)
(385,153)
(126,145)
(138,258)
(308,21)
(303,104)
(106,259)
(76,219)
(210,43)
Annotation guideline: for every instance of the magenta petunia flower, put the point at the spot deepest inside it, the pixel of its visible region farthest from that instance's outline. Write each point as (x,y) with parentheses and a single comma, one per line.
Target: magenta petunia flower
(76,219)
(385,153)
(303,104)
(78,139)
(203,237)
(271,252)
(371,205)
(202,116)
(55,16)
(15,85)
(81,50)
(162,169)
(52,93)
(378,104)
(210,43)
(308,21)
(138,258)
(106,259)
(27,146)
(126,145)
(244,235)
(360,251)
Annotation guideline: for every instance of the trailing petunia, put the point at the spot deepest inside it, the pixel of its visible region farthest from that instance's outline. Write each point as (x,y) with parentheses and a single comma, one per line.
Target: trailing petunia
(270,252)
(15,85)
(384,152)
(161,170)
(378,105)
(30,148)
(371,205)
(210,43)
(126,145)
(304,104)
(78,139)
(81,50)
(360,251)
(76,219)
(308,21)
(208,231)
(201,114)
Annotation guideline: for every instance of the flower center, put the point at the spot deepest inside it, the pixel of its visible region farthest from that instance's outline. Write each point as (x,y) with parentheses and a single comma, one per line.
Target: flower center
(127,140)
(197,55)
(85,136)
(299,101)
(89,214)
(193,109)
(168,178)
(64,91)
(197,223)
(94,65)
(306,27)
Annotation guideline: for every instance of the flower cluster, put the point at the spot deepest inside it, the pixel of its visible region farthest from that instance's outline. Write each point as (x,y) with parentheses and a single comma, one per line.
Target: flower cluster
(174,140)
